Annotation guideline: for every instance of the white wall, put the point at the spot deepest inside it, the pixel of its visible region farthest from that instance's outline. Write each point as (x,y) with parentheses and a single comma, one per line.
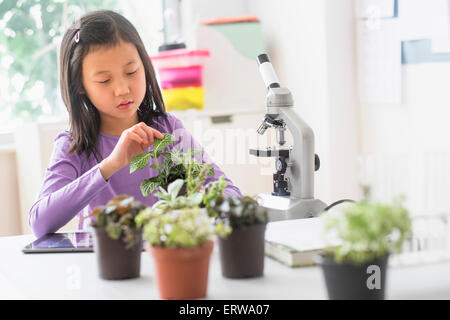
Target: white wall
(344,117)
(139,11)
(420,123)
(407,146)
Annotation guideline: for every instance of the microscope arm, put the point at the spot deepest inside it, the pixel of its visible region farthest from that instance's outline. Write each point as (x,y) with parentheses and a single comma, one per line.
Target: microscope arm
(301,171)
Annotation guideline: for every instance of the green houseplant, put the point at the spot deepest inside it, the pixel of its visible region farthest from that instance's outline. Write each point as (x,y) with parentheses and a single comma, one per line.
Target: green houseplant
(176,165)
(361,236)
(242,251)
(117,238)
(178,233)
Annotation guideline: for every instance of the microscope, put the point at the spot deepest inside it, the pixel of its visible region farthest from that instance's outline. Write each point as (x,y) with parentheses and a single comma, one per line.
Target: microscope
(293,182)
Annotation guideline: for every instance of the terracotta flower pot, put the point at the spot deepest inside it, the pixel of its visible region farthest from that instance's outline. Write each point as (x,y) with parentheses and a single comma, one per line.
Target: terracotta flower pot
(242,252)
(114,261)
(182,273)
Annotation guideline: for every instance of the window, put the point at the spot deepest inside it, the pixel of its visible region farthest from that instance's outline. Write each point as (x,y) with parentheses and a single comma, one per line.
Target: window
(30,36)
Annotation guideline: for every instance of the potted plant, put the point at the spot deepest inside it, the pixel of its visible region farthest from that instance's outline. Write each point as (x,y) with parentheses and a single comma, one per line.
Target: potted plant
(178,233)
(242,251)
(360,237)
(117,238)
(176,165)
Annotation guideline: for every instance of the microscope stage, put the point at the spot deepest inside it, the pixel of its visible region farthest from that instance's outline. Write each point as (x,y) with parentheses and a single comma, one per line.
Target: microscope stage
(269,152)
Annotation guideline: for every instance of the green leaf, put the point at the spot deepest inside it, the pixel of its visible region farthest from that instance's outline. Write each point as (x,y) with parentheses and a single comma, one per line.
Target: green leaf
(166,167)
(113,230)
(162,204)
(176,156)
(166,154)
(175,187)
(192,152)
(149,185)
(222,183)
(160,144)
(139,162)
(180,202)
(196,168)
(163,194)
(161,189)
(195,199)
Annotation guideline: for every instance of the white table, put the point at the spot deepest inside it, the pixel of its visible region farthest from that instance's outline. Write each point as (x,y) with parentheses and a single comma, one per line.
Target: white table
(75,276)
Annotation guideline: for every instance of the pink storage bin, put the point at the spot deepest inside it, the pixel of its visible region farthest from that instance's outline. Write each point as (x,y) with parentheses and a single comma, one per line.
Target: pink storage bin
(180,77)
(179,58)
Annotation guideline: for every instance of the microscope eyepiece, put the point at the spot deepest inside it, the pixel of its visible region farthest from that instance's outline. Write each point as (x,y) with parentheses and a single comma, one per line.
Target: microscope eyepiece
(262,58)
(267,72)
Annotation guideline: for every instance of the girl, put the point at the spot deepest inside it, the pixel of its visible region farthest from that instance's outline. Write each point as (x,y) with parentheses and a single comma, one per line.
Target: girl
(109,87)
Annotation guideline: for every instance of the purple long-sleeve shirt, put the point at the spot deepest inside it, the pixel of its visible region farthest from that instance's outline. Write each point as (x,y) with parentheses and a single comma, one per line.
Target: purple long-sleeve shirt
(74,186)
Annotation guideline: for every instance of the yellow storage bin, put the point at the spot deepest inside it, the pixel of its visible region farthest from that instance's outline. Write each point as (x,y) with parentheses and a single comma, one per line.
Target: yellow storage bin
(183,98)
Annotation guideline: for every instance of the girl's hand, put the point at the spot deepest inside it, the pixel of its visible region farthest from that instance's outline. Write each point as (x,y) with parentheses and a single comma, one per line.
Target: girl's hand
(132,142)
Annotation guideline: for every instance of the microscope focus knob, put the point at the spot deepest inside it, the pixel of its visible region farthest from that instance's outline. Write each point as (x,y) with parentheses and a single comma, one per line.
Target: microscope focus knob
(316,162)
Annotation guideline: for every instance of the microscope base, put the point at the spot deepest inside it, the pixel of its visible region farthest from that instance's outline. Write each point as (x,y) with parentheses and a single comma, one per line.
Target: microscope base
(288,208)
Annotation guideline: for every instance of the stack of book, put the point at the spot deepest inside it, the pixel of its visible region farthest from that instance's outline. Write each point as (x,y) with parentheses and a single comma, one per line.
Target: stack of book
(294,242)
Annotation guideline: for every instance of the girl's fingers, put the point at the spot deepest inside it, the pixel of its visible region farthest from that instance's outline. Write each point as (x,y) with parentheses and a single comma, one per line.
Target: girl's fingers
(151,133)
(157,134)
(141,132)
(135,137)
(148,132)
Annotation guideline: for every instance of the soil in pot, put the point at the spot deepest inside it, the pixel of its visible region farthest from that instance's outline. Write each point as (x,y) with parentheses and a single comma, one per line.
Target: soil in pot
(242,252)
(114,261)
(182,273)
(345,281)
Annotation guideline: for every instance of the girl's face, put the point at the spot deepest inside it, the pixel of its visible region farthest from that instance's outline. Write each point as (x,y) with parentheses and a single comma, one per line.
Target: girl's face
(114,80)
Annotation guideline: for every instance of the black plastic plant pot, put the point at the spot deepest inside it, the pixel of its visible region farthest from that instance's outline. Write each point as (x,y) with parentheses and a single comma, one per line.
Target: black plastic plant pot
(346,281)
(114,260)
(242,252)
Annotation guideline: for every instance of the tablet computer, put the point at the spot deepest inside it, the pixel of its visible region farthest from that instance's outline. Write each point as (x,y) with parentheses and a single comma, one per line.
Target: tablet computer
(78,241)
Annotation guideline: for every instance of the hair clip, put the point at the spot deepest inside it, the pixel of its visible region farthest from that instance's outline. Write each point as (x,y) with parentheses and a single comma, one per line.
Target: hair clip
(77,36)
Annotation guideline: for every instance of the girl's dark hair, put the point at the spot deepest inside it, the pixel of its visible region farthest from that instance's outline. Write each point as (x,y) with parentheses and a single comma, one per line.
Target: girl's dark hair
(99,28)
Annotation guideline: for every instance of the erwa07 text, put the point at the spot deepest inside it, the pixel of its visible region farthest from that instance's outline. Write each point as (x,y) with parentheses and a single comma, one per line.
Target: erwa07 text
(245,309)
